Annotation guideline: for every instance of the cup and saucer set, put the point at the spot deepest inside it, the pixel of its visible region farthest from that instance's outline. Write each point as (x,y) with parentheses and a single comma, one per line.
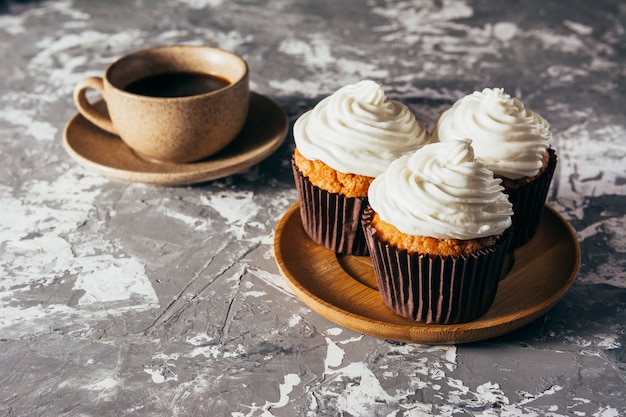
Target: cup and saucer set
(173,115)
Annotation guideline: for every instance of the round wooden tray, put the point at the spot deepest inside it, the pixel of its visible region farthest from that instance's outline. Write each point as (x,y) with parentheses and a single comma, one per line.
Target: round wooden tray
(343,288)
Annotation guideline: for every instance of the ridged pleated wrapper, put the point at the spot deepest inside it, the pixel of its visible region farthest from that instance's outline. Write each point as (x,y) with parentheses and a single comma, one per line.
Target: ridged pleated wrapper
(528,201)
(331,220)
(436,289)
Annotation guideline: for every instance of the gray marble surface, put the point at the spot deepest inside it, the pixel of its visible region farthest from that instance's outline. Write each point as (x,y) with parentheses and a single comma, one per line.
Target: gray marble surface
(122,299)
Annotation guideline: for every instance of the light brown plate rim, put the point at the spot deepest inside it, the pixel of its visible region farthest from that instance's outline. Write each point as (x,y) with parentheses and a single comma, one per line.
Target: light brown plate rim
(409,331)
(79,133)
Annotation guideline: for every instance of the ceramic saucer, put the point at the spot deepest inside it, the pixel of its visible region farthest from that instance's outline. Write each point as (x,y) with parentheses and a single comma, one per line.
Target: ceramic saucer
(264,131)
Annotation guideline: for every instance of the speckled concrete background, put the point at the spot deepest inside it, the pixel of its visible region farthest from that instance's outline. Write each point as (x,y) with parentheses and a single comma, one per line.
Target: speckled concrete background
(125,299)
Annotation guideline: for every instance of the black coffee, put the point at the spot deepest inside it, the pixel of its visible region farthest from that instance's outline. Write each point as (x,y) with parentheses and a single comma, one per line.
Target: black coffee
(176,84)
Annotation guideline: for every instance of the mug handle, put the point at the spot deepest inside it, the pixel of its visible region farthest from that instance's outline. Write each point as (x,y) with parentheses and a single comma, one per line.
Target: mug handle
(88,110)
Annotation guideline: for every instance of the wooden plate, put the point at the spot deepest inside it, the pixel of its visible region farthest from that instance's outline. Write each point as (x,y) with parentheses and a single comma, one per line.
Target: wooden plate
(264,131)
(343,288)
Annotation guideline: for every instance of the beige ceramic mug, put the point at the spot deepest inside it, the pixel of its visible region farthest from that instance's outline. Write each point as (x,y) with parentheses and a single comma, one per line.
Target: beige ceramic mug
(171,104)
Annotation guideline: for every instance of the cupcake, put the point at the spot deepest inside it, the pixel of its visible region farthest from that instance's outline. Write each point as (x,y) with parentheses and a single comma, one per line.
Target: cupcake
(342,144)
(514,142)
(437,229)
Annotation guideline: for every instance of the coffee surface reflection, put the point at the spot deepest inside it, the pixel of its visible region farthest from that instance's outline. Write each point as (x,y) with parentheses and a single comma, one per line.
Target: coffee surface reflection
(176,84)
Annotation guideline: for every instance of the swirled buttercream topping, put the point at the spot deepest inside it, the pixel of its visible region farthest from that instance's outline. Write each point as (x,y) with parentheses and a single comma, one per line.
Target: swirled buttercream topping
(509,138)
(357,130)
(441,191)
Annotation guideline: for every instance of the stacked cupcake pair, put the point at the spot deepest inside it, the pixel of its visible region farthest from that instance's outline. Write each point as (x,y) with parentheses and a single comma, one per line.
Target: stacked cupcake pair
(436,220)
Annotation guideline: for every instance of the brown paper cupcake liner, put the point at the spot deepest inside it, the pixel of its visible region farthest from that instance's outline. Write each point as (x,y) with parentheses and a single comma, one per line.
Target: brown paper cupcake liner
(436,290)
(331,220)
(528,201)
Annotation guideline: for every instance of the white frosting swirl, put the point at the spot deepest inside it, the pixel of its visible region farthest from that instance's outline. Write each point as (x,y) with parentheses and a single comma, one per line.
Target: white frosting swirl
(506,136)
(441,191)
(357,130)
